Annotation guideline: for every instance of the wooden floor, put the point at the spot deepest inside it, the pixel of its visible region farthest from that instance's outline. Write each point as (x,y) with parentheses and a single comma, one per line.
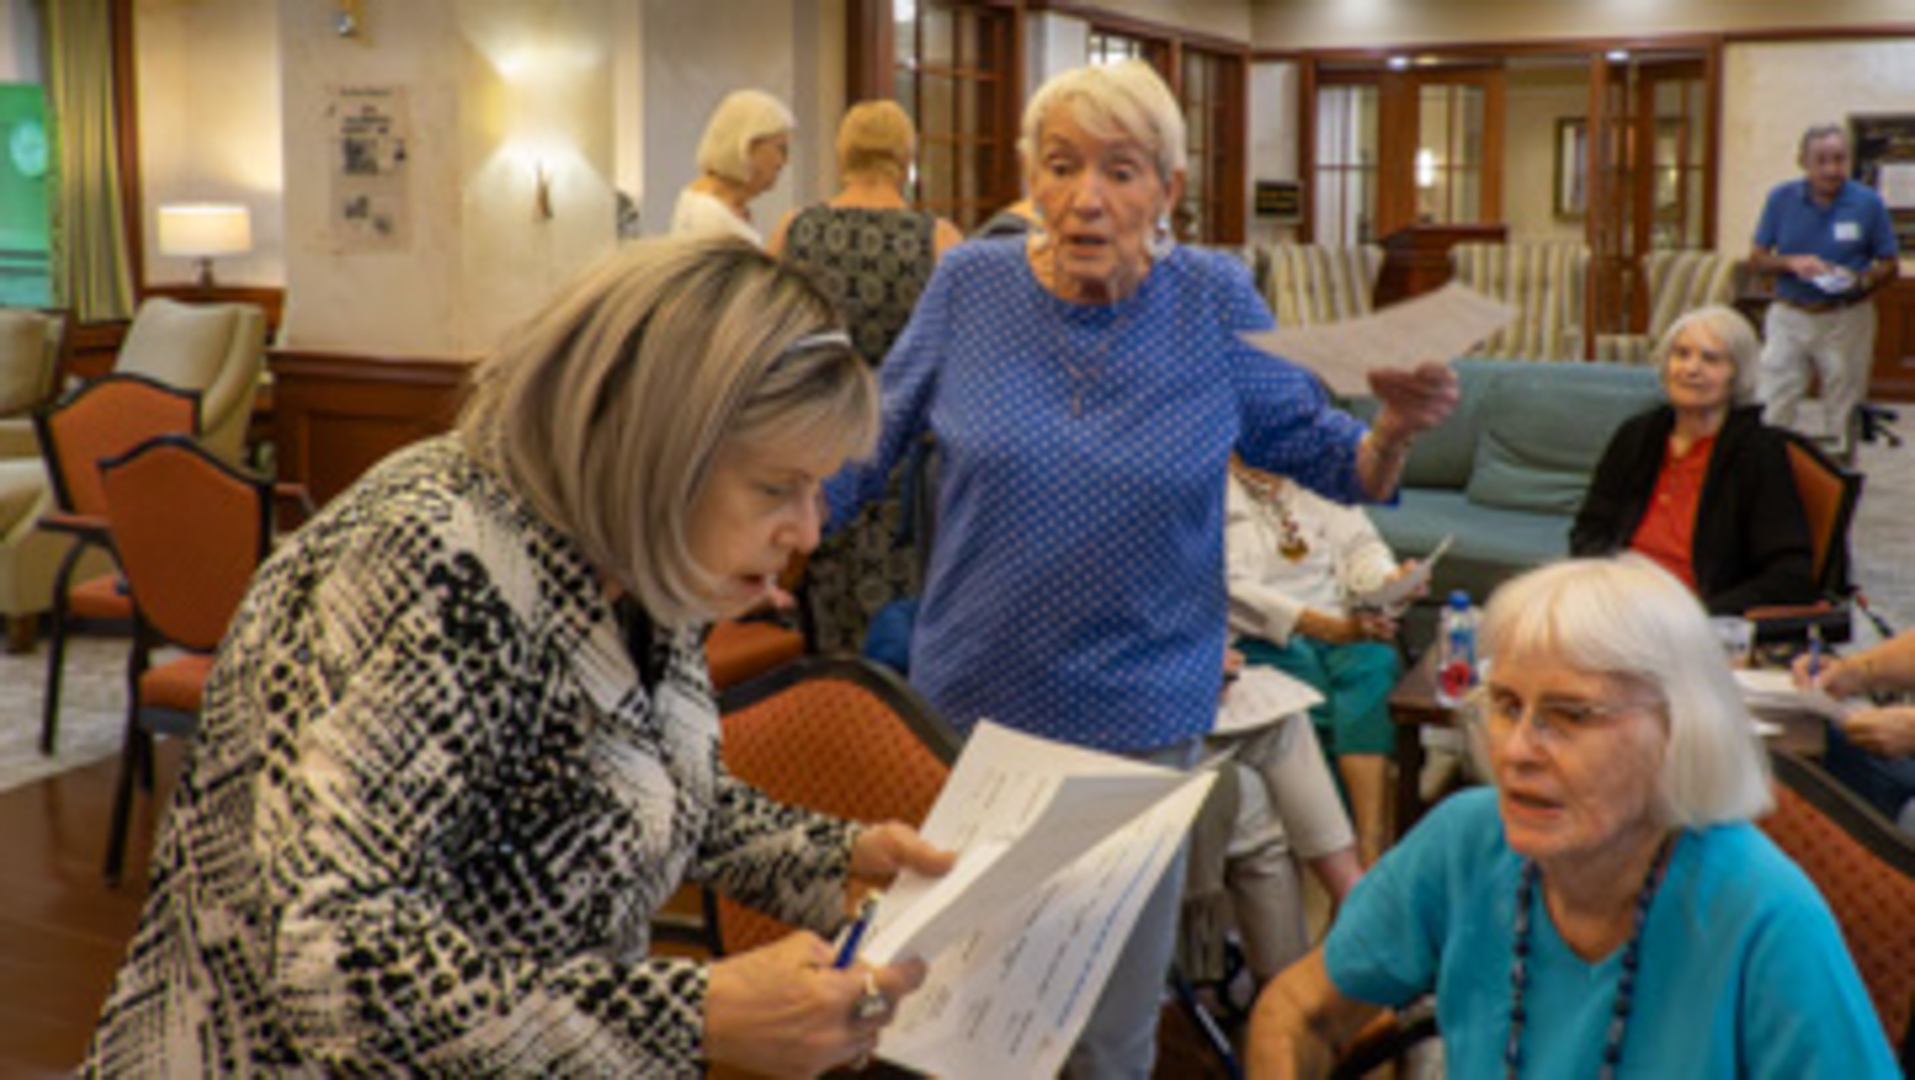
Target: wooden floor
(63,931)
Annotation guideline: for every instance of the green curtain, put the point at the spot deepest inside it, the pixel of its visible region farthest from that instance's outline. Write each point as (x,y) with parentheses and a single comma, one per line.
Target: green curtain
(88,256)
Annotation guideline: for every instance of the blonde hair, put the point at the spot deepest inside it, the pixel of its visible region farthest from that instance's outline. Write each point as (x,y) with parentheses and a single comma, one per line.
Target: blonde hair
(1732,331)
(1628,619)
(742,118)
(606,411)
(876,137)
(1126,99)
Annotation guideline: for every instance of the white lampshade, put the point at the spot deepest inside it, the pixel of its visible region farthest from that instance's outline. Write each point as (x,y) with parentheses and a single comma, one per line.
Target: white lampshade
(202,230)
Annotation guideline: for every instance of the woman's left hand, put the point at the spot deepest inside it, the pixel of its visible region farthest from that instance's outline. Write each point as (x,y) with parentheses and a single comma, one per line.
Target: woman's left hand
(1413,400)
(1889,732)
(882,850)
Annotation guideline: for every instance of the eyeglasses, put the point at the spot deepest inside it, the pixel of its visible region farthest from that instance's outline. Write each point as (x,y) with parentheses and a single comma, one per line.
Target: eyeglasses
(1553,721)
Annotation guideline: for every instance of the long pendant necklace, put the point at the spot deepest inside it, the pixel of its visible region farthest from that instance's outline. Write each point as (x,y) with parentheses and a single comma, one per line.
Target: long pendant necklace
(1266,494)
(1084,371)
(1625,982)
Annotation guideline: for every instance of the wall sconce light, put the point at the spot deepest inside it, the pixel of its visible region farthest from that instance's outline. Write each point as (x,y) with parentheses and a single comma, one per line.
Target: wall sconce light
(346,21)
(542,191)
(204,231)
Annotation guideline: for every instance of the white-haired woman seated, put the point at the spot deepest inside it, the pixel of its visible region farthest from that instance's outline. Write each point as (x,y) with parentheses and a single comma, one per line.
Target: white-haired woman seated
(1699,484)
(1606,907)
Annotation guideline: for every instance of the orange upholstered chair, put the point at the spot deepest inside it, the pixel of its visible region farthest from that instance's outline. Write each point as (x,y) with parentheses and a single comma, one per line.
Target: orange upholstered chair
(102,419)
(189,530)
(1865,868)
(741,649)
(835,734)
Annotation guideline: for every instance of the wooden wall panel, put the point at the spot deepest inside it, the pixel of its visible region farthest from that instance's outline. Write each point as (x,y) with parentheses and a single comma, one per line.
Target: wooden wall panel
(336,415)
(1893,376)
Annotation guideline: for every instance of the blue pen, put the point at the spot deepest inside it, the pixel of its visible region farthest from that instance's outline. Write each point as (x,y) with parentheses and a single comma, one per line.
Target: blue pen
(848,952)
(1815,652)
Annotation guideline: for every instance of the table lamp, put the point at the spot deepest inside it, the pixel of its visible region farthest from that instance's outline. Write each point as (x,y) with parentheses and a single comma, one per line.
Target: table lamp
(203,231)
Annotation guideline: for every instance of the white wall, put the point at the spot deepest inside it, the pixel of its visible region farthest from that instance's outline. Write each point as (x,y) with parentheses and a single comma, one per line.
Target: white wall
(19,42)
(209,121)
(1271,146)
(1775,91)
(693,54)
(1535,98)
(492,89)
(1229,19)
(1380,24)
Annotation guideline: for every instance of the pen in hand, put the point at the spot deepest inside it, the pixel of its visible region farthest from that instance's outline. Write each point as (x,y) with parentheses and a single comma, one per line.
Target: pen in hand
(854,935)
(1815,654)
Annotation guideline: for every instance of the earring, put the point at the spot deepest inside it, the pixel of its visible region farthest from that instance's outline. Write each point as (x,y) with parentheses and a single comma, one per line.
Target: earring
(1161,240)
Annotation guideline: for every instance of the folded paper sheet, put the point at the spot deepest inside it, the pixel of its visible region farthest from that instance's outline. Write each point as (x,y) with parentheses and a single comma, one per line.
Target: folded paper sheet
(1058,849)
(1262,695)
(1767,690)
(1441,326)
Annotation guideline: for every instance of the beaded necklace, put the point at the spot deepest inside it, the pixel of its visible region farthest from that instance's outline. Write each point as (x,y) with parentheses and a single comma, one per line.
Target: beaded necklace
(1273,512)
(1625,983)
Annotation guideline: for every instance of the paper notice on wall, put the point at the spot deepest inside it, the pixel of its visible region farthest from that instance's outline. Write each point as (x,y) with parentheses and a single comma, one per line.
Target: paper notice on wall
(1896,182)
(370,130)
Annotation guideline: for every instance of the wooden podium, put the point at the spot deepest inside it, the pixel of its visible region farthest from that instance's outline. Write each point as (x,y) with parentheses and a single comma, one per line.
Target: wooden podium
(1416,259)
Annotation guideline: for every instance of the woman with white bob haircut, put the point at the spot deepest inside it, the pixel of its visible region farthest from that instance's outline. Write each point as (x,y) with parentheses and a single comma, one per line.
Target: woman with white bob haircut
(1087,386)
(1606,907)
(460,746)
(744,149)
(1700,484)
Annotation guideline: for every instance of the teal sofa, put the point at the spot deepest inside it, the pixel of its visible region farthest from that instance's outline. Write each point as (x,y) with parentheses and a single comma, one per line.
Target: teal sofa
(1505,473)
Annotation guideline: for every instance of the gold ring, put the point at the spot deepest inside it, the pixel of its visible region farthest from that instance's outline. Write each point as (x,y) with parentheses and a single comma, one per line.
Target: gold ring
(871,1003)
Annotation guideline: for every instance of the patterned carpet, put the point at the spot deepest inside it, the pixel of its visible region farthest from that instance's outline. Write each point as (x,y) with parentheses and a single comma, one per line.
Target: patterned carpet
(94,700)
(92,708)
(1882,541)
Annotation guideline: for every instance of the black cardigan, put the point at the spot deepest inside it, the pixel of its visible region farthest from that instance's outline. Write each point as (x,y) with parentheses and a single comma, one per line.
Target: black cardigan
(1751,544)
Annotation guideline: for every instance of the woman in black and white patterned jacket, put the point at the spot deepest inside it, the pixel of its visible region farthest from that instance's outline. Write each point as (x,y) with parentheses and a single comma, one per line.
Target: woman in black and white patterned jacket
(459,745)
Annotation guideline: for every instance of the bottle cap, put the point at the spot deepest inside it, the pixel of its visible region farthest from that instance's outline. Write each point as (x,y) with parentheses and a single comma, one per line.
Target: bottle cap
(1459,599)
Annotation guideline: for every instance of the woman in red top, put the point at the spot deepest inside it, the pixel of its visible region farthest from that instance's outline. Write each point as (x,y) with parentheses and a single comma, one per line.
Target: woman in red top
(1699,484)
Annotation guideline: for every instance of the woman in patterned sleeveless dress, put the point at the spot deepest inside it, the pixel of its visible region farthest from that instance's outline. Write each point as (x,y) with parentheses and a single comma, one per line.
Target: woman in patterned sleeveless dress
(873,255)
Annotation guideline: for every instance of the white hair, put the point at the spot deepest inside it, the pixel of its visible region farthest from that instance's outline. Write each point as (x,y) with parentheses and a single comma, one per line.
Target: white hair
(1732,331)
(1626,618)
(743,117)
(1127,99)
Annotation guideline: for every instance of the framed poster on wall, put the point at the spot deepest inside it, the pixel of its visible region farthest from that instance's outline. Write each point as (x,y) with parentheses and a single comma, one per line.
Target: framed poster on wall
(1885,160)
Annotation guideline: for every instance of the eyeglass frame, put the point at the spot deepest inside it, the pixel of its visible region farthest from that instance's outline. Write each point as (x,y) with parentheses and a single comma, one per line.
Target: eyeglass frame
(1482,711)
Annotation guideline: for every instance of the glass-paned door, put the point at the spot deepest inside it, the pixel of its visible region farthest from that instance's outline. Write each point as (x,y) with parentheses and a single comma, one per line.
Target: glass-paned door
(1344,186)
(954,76)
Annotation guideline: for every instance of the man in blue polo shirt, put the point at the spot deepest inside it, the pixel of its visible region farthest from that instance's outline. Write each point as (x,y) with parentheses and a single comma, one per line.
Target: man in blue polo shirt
(1828,241)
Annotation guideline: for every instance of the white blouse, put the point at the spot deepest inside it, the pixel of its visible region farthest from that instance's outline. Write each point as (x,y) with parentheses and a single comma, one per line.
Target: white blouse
(1269,591)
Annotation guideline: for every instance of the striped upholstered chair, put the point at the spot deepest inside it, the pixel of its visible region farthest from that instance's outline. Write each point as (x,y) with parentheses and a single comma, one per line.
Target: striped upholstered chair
(1543,281)
(1678,281)
(1309,284)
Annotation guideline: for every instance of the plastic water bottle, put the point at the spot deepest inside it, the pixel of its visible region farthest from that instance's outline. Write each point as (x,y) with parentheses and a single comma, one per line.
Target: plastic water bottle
(1456,642)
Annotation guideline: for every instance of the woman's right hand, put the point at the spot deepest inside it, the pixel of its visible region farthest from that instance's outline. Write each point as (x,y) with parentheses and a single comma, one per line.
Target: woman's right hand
(783,1010)
(1837,678)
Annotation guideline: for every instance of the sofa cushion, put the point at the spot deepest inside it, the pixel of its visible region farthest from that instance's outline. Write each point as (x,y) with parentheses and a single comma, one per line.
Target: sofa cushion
(1442,456)
(1489,547)
(1543,431)
(25,361)
(179,344)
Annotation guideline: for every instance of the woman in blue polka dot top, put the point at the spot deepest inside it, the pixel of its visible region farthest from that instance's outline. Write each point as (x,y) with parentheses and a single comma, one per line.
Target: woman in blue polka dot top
(1086,385)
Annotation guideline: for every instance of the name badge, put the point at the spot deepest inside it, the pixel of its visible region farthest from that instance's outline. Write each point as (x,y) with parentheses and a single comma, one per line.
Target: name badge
(1848,231)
